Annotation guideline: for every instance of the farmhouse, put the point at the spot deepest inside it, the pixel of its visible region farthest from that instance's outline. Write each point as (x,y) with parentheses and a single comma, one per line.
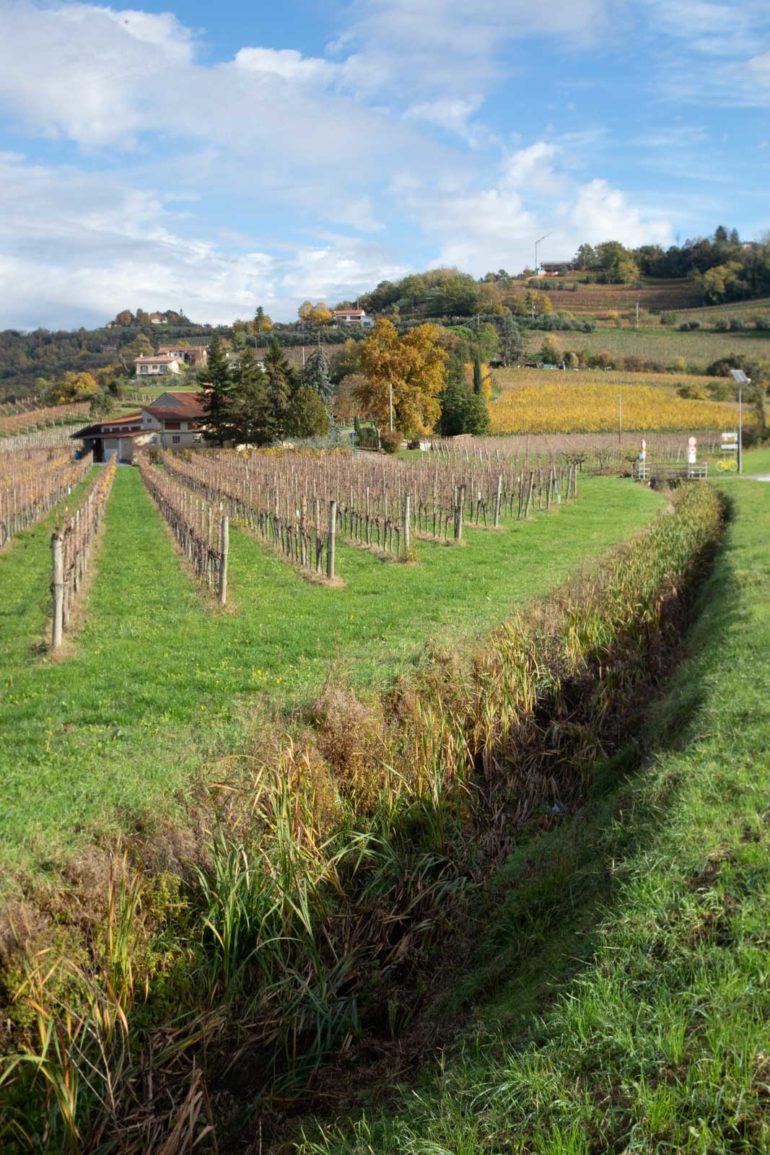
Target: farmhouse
(175,420)
(115,437)
(158,365)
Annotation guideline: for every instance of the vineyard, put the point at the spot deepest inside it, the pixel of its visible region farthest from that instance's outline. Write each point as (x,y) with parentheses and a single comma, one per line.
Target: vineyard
(32,482)
(596,300)
(365,748)
(19,419)
(299,503)
(654,349)
(559,405)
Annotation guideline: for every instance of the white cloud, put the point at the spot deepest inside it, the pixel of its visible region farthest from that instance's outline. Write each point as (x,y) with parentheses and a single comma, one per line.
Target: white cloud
(102,246)
(601,213)
(533,168)
(288,64)
(429,46)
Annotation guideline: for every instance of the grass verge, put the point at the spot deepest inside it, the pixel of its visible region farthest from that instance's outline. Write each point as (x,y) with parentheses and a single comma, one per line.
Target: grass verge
(622,983)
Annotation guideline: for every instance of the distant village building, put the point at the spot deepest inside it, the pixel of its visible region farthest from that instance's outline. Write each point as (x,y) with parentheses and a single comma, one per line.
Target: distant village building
(193,355)
(353,317)
(158,365)
(556,268)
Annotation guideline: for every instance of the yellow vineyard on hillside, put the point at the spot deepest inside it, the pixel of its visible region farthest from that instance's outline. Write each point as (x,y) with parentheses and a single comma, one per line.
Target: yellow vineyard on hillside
(567,407)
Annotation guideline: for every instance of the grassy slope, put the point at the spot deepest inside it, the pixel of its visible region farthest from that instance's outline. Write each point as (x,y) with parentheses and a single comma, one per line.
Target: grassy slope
(661,345)
(623,982)
(157,680)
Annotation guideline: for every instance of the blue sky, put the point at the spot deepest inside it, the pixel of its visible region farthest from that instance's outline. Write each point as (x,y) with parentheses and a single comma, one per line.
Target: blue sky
(219,157)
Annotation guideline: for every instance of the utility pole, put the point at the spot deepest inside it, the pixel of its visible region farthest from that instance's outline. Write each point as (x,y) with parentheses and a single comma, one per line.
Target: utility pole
(537,242)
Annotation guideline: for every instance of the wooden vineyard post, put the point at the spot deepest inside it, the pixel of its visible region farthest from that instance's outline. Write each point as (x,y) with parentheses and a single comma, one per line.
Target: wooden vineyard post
(224,549)
(459,509)
(498,498)
(331,548)
(405,538)
(57,587)
(530,488)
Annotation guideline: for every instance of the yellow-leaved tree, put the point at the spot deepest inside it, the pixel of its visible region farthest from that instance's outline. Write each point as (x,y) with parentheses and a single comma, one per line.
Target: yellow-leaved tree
(412,367)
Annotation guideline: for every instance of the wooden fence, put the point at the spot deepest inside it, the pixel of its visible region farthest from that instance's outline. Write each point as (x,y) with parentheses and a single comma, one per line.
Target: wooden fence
(71,550)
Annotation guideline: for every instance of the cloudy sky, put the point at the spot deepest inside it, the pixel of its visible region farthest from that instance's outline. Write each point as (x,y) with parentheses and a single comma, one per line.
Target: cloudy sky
(214,157)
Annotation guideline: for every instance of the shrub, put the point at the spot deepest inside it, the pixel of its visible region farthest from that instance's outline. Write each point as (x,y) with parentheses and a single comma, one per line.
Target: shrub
(391,441)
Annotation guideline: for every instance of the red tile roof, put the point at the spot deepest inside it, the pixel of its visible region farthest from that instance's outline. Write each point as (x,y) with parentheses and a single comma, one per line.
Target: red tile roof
(176,406)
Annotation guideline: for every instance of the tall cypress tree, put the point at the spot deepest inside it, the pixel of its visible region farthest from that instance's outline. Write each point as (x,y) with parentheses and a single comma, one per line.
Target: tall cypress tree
(477,381)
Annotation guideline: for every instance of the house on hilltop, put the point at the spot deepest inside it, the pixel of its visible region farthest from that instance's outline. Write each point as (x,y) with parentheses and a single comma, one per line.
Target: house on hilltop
(158,365)
(353,317)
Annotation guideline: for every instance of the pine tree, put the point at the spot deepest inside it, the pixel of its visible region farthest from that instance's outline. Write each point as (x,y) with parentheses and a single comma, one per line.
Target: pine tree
(217,386)
(280,385)
(317,374)
(306,415)
(249,412)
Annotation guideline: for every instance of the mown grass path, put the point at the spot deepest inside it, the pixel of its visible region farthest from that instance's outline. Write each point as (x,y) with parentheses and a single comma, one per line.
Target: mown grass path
(158,681)
(621,973)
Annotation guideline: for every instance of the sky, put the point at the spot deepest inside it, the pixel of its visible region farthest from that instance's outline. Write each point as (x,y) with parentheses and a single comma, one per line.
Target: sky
(216,157)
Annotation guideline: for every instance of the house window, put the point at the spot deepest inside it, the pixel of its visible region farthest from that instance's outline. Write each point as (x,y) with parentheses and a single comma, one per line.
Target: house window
(172,425)
(176,439)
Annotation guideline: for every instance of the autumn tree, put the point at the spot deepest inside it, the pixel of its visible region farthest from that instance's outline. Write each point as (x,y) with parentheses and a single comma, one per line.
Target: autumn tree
(318,314)
(73,387)
(262,323)
(410,369)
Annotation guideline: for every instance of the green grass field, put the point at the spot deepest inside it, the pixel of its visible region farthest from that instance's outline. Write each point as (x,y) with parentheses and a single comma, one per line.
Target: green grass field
(159,683)
(619,991)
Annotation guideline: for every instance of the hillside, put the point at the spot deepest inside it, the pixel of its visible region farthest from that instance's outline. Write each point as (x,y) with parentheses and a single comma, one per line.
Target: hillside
(586,299)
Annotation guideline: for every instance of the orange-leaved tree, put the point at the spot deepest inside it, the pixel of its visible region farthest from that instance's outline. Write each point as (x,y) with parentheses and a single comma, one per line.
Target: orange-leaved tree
(413,367)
